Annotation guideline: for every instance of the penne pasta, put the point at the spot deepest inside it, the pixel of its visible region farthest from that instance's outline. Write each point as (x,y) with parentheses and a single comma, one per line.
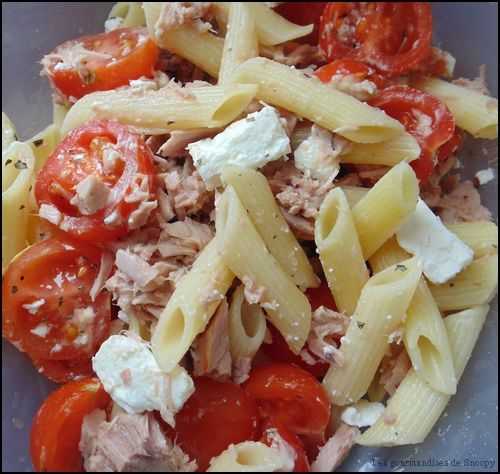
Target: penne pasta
(474,112)
(43,144)
(289,88)
(481,236)
(257,198)
(191,306)
(391,152)
(354,194)
(18,165)
(247,326)
(476,285)
(130,13)
(203,49)
(425,336)
(170,108)
(379,214)
(378,314)
(59,112)
(340,251)
(248,456)
(245,253)
(240,42)
(8,131)
(414,409)
(272,28)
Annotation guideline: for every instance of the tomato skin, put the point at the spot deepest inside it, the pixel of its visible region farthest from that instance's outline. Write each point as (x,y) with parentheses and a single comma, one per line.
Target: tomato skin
(303,13)
(56,429)
(216,415)
(106,74)
(292,396)
(64,371)
(345,67)
(451,146)
(321,296)
(395,38)
(63,170)
(301,461)
(31,276)
(401,103)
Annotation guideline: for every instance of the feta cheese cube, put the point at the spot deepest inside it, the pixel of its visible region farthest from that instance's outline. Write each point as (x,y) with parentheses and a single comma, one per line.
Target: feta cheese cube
(362,414)
(251,143)
(442,254)
(316,156)
(485,176)
(130,374)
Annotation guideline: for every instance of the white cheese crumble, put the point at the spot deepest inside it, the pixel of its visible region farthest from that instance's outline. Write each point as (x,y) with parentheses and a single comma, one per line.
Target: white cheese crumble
(41,330)
(91,195)
(251,143)
(112,24)
(33,308)
(130,374)
(362,414)
(442,254)
(485,176)
(316,156)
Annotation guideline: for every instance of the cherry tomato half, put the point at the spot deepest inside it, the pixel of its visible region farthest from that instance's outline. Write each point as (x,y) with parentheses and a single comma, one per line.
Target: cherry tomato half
(101,62)
(56,429)
(303,13)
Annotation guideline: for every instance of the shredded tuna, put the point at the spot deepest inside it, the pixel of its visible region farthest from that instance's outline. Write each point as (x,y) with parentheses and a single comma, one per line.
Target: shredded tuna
(145,277)
(370,174)
(352,85)
(297,193)
(336,449)
(302,228)
(440,181)
(179,68)
(104,272)
(210,350)
(294,54)
(91,195)
(186,189)
(129,443)
(176,14)
(175,145)
(50,213)
(139,217)
(463,204)
(241,368)
(478,84)
(327,327)
(254,294)
(394,368)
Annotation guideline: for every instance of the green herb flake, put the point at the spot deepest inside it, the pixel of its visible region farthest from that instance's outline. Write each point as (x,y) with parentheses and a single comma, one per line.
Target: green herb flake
(401,268)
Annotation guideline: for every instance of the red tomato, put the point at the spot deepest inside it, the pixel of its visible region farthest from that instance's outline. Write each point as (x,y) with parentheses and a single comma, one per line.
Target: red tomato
(63,371)
(395,38)
(350,67)
(56,273)
(274,426)
(303,13)
(279,351)
(321,296)
(56,429)
(424,116)
(451,146)
(292,396)
(102,62)
(80,155)
(217,415)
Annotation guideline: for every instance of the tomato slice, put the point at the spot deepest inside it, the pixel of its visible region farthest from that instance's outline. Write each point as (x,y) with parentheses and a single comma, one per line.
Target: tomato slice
(424,116)
(395,38)
(273,425)
(303,13)
(83,154)
(292,396)
(353,68)
(63,371)
(451,146)
(56,429)
(46,307)
(101,62)
(321,296)
(216,415)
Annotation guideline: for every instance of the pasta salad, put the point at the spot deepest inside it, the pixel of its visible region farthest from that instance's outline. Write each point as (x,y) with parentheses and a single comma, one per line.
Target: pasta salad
(244,244)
